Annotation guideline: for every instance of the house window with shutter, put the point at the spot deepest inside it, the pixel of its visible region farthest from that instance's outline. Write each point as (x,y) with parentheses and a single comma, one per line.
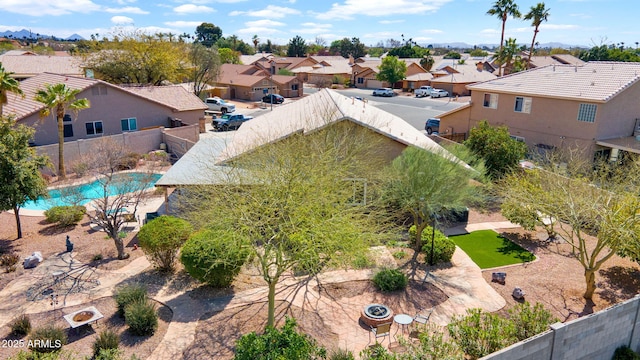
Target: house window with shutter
(490,101)
(523,105)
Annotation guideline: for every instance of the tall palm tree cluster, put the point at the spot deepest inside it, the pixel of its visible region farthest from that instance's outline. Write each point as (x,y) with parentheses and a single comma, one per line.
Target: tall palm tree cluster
(503,9)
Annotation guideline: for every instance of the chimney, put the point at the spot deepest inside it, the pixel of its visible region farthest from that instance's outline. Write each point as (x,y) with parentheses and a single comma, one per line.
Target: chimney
(351,60)
(479,66)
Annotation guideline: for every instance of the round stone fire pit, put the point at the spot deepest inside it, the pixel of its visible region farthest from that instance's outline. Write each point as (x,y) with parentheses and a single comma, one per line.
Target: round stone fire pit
(376,314)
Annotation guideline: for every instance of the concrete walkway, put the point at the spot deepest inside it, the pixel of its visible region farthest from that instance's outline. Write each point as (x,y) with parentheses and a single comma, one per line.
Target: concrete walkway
(462,283)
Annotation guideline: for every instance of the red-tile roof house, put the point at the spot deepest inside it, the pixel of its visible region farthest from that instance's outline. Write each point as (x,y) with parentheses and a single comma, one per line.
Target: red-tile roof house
(249,82)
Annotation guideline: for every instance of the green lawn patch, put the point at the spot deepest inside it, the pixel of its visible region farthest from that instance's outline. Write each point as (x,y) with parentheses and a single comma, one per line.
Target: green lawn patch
(488,249)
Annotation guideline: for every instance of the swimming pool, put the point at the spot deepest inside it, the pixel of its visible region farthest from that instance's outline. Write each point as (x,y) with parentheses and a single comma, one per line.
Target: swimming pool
(90,191)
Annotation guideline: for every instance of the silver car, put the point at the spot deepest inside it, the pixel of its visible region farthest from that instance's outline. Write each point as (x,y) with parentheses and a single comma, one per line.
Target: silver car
(384,92)
(436,93)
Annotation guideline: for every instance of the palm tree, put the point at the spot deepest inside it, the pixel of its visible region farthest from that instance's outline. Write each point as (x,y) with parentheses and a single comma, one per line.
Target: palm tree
(60,97)
(507,54)
(537,14)
(502,9)
(256,41)
(7,85)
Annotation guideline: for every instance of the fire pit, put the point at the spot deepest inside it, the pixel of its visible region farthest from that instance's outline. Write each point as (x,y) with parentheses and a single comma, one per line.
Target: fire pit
(83,317)
(376,314)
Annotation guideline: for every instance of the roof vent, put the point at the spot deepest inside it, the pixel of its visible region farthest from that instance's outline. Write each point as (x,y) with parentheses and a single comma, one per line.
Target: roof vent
(593,83)
(594,71)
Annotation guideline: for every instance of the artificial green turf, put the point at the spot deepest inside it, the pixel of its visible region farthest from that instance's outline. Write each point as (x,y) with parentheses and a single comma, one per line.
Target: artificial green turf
(488,249)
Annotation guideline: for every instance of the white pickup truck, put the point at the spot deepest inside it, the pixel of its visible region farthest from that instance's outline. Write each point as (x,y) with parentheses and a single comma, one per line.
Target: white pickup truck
(423,91)
(216,104)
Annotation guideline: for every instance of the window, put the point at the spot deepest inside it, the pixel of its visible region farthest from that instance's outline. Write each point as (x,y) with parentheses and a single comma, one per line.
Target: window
(491,101)
(360,80)
(129,124)
(67,128)
(94,128)
(523,105)
(587,112)
(294,86)
(517,138)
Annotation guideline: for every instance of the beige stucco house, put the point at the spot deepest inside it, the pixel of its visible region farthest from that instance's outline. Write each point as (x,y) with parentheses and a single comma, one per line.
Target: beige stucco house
(114,110)
(364,72)
(593,106)
(251,82)
(24,64)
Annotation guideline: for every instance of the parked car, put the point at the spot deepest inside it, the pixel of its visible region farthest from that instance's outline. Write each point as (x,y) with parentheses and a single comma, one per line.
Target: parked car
(423,91)
(436,93)
(273,99)
(218,105)
(229,121)
(384,92)
(432,125)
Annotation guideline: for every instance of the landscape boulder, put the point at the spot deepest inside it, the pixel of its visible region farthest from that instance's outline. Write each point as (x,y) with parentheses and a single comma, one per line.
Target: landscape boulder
(33,260)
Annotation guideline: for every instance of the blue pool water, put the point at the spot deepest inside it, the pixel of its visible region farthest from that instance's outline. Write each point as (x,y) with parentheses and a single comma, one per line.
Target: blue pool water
(90,191)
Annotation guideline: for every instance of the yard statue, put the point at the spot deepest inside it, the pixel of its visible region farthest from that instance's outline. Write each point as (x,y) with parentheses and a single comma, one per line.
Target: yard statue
(69,245)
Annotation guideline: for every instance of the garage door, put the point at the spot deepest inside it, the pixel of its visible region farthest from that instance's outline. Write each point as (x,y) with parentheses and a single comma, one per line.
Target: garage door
(374,84)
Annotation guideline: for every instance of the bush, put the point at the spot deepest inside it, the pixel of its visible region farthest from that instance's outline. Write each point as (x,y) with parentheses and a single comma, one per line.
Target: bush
(128,294)
(128,162)
(390,280)
(50,338)
(341,354)
(362,262)
(375,352)
(625,353)
(107,340)
(443,247)
(530,321)
(479,333)
(9,261)
(284,343)
(108,354)
(141,317)
(214,257)
(162,237)
(65,215)
(21,325)
(399,254)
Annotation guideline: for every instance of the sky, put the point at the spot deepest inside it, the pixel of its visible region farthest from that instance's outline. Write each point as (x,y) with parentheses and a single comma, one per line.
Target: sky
(572,22)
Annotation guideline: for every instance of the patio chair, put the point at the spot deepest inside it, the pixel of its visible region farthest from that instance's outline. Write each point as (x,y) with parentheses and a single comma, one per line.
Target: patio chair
(381,331)
(422,317)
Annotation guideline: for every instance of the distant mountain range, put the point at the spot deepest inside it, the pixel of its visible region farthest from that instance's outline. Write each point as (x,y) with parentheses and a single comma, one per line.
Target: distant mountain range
(26,34)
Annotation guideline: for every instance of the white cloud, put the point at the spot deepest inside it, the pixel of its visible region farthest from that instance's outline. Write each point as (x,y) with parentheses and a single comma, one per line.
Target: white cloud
(387,22)
(264,23)
(48,7)
(184,24)
(126,10)
(270,12)
(122,20)
(260,31)
(192,9)
(350,8)
(313,28)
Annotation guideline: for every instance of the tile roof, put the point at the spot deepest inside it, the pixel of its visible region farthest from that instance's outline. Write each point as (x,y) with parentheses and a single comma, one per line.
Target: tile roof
(595,81)
(466,77)
(22,107)
(239,79)
(31,65)
(173,96)
(316,111)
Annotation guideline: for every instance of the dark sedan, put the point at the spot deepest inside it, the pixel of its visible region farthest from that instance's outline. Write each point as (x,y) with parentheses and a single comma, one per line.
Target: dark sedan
(273,99)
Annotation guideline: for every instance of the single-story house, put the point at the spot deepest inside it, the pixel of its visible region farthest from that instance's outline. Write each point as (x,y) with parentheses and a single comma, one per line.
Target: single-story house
(364,72)
(24,65)
(458,77)
(250,82)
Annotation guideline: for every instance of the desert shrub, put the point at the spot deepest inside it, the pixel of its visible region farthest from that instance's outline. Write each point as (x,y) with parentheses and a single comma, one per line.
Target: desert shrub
(399,254)
(362,261)
(141,317)
(128,162)
(80,168)
(341,354)
(106,340)
(50,338)
(9,262)
(376,352)
(56,355)
(480,333)
(128,294)
(162,237)
(443,247)
(530,321)
(625,353)
(432,345)
(214,256)
(108,354)
(284,343)
(21,325)
(390,280)
(65,215)
(97,257)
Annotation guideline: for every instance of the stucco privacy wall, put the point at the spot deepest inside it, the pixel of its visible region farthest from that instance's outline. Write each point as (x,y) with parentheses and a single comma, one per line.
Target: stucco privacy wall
(139,142)
(595,336)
